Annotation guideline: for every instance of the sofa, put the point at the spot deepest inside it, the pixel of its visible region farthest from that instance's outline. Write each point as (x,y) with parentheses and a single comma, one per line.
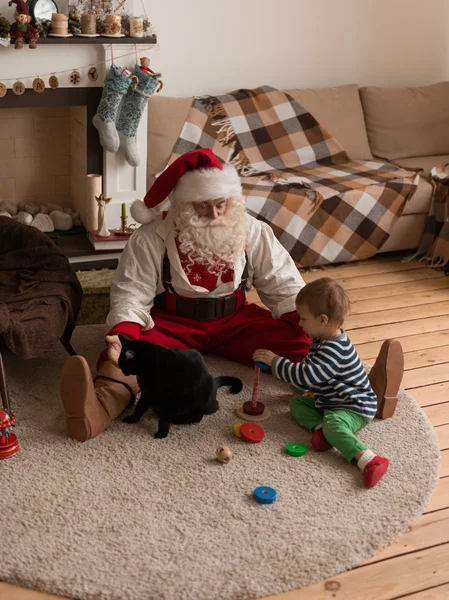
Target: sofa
(405,126)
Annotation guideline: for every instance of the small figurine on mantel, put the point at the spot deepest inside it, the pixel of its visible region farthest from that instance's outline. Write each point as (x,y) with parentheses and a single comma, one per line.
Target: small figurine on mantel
(145,67)
(102,230)
(21,29)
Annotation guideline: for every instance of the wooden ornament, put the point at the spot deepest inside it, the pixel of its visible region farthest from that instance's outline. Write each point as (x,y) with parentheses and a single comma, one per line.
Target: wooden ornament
(2,90)
(92,74)
(38,85)
(75,77)
(53,82)
(223,454)
(18,88)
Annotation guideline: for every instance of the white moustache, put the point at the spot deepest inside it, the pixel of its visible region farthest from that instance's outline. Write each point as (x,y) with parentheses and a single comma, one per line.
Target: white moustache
(201,222)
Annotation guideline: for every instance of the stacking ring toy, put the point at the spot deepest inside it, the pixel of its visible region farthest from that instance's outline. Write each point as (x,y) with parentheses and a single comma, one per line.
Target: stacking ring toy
(295,449)
(265,495)
(252,433)
(261,365)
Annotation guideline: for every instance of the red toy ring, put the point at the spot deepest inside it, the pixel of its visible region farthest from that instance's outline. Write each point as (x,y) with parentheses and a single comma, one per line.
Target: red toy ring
(252,433)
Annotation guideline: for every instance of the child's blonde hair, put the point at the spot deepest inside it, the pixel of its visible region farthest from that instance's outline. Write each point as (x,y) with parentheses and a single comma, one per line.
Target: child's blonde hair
(325,296)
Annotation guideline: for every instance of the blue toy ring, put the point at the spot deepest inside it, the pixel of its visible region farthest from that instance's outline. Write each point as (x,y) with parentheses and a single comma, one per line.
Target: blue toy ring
(265,495)
(261,365)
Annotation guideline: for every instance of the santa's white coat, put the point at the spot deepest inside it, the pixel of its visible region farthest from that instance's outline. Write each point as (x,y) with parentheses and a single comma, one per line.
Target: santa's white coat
(138,279)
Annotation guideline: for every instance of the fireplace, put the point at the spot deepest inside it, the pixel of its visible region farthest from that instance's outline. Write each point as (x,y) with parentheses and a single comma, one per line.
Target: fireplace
(120,181)
(88,97)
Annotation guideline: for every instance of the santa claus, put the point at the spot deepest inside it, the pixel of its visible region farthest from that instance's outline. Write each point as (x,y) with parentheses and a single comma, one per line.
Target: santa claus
(181,283)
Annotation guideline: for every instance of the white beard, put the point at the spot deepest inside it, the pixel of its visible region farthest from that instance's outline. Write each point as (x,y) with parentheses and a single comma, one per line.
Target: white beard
(215,243)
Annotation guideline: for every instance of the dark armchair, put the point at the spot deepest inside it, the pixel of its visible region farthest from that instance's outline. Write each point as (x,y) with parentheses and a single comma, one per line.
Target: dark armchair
(40,295)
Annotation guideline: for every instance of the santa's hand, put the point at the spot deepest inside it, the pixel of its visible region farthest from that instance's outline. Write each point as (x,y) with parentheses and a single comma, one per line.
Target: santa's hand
(114,348)
(264,356)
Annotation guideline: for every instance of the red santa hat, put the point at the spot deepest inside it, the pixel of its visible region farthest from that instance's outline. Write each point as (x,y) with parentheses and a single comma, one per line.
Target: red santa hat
(22,8)
(195,176)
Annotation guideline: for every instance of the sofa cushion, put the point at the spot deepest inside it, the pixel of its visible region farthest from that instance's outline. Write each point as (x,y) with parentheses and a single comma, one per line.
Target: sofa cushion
(403,122)
(166,117)
(339,110)
(426,163)
(406,234)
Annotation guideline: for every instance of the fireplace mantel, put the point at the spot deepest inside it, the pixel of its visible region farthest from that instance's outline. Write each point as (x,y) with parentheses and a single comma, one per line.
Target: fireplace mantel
(74,41)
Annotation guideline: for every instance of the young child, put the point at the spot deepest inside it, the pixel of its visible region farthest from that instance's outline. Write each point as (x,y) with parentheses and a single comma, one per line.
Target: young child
(343,400)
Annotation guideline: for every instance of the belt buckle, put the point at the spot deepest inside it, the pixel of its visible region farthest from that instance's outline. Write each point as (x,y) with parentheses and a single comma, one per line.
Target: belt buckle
(207,304)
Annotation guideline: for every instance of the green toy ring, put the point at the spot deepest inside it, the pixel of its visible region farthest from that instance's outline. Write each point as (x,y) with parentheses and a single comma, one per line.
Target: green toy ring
(295,449)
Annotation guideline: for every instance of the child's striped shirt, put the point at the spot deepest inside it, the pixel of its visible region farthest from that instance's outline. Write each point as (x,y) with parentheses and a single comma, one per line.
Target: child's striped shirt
(334,373)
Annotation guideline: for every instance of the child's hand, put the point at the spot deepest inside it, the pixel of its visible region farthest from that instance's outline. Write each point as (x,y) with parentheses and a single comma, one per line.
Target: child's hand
(265,356)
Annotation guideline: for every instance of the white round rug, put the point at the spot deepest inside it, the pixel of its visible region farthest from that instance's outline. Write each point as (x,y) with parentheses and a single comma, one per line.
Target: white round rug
(126,516)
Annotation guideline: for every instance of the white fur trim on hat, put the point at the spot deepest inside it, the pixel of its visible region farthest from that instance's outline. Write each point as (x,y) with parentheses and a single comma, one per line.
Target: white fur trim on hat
(141,213)
(200,185)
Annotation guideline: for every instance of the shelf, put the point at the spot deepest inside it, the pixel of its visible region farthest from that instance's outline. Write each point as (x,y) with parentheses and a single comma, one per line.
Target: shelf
(82,256)
(97,40)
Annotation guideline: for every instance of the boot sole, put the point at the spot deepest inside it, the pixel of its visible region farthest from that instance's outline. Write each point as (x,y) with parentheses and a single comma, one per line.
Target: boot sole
(76,388)
(392,355)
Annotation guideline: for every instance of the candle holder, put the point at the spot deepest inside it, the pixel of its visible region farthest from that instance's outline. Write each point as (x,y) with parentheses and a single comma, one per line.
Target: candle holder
(124,229)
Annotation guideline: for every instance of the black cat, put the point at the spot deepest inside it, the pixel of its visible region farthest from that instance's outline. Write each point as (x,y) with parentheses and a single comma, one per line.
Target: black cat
(174,383)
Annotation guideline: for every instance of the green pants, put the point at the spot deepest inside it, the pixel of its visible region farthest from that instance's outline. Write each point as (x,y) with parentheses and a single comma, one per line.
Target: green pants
(339,425)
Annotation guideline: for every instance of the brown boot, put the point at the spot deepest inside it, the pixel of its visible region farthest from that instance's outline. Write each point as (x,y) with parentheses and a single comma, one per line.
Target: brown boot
(91,406)
(32,44)
(386,376)
(18,44)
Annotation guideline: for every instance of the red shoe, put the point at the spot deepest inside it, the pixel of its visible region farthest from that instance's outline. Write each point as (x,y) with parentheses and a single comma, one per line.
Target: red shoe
(375,470)
(319,442)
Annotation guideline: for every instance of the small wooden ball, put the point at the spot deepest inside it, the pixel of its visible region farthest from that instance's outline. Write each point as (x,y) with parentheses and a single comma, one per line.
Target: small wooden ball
(223,454)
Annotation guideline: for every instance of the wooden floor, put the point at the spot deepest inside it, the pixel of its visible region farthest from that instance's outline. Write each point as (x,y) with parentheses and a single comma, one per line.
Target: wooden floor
(410,302)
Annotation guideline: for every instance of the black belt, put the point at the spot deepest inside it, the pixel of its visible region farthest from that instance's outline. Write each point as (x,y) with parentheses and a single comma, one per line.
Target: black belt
(200,309)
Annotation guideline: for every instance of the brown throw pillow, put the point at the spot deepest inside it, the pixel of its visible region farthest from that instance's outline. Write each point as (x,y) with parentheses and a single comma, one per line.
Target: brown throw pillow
(404,122)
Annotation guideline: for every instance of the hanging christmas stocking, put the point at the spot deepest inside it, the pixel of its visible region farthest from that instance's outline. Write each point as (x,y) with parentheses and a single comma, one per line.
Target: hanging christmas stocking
(115,87)
(131,112)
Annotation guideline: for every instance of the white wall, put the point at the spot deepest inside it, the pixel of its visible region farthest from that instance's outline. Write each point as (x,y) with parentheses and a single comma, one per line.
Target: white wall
(213,47)
(207,46)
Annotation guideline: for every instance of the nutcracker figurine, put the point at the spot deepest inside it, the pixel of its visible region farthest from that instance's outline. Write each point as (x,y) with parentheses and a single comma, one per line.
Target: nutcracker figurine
(8,440)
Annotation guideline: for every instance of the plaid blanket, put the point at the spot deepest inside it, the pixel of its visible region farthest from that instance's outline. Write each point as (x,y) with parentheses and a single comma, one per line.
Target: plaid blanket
(323,206)
(434,243)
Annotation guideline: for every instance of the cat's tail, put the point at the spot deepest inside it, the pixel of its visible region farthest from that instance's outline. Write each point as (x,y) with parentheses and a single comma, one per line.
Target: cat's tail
(236,384)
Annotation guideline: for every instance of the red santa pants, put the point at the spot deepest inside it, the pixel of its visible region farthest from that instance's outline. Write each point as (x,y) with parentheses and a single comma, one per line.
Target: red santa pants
(235,337)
